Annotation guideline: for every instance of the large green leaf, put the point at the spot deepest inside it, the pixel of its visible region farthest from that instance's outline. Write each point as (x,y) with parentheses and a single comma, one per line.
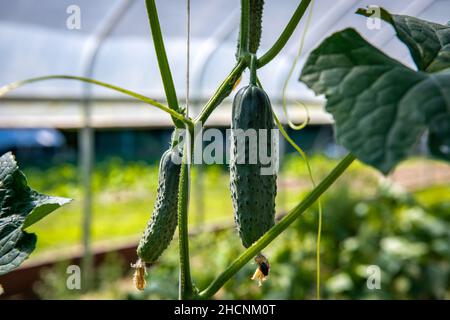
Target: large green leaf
(381,108)
(20,207)
(439,137)
(428,42)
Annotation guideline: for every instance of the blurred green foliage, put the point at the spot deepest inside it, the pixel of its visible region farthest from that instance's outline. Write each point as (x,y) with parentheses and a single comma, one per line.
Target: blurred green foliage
(367,221)
(406,236)
(124,194)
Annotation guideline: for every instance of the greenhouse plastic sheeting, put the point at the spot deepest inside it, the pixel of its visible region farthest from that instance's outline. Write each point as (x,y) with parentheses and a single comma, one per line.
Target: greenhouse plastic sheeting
(36,41)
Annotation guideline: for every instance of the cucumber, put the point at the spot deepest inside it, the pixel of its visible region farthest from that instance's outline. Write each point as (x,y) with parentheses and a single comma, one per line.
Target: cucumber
(163,222)
(253,194)
(254,28)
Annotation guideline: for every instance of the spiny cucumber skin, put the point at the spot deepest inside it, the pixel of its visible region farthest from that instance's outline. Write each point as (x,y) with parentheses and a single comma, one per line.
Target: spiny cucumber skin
(253,195)
(256,12)
(163,222)
(255,27)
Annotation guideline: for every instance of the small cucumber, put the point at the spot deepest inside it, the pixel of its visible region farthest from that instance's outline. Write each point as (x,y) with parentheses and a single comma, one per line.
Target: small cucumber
(163,222)
(254,28)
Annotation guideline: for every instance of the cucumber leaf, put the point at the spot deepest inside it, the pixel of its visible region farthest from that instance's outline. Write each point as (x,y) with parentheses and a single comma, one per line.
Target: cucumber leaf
(20,207)
(439,138)
(428,42)
(43,205)
(381,108)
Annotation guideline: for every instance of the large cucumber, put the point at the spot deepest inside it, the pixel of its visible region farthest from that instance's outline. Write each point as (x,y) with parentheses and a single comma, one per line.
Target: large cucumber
(253,194)
(163,222)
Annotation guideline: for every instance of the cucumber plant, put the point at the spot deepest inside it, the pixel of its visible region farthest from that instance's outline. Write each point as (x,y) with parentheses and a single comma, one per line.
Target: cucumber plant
(380,107)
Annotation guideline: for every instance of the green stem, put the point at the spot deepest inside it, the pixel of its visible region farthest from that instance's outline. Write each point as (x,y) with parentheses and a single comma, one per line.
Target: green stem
(276,230)
(244,28)
(163,63)
(222,92)
(285,35)
(173,113)
(185,283)
(253,68)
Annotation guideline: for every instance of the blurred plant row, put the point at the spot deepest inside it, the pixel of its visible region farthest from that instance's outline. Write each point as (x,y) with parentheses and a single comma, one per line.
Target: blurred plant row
(367,221)
(124,193)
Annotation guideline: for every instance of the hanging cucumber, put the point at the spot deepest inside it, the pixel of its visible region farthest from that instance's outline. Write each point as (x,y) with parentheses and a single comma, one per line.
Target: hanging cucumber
(253,193)
(163,222)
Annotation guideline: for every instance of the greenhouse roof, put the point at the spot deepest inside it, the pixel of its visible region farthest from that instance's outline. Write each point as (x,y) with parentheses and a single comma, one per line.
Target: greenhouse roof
(36,41)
